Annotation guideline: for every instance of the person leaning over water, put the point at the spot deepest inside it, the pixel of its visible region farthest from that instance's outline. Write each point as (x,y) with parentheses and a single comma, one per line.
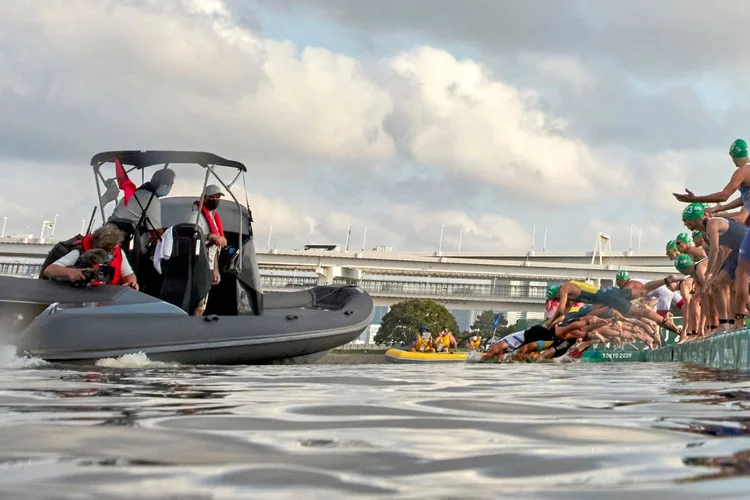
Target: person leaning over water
(618,299)
(696,270)
(106,238)
(740,180)
(684,244)
(515,340)
(725,237)
(672,250)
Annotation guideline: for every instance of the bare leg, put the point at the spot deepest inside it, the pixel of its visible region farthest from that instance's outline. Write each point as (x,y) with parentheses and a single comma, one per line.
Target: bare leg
(720,296)
(654,316)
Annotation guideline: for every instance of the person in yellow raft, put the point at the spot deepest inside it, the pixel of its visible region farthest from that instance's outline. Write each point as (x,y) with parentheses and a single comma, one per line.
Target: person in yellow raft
(475,343)
(423,342)
(445,340)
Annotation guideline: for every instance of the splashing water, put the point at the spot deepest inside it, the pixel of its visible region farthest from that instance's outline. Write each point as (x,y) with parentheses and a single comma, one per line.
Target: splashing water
(135,360)
(10,360)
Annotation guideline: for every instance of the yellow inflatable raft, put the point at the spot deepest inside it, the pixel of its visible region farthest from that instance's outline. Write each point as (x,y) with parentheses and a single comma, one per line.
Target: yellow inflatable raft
(399,356)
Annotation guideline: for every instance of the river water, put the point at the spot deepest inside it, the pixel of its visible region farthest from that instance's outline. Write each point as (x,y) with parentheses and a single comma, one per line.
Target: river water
(137,430)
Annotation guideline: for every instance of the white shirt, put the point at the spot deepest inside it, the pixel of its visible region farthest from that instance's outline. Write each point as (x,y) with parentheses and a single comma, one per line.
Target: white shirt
(195,217)
(133,211)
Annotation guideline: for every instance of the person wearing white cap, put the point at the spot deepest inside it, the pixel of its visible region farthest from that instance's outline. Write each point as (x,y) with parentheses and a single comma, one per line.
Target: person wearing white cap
(210,223)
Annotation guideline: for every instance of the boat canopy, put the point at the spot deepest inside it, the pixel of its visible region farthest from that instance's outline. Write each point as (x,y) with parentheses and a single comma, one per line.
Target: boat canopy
(143,159)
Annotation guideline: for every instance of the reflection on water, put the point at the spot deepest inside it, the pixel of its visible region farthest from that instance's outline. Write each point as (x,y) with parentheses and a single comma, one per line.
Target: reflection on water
(317,431)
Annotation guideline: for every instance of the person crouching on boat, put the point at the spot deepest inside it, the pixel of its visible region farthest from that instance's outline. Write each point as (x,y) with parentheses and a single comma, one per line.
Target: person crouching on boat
(423,342)
(213,230)
(107,238)
(445,340)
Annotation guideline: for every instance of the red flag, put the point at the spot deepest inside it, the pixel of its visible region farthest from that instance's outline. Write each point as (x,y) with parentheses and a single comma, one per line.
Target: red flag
(124,182)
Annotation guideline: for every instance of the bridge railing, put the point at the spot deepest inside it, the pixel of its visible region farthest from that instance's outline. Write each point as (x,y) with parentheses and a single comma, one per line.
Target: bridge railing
(372,286)
(290,282)
(426,289)
(20,269)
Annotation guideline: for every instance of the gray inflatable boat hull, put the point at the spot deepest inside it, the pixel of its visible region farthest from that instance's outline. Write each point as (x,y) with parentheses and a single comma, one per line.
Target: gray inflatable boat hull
(83,325)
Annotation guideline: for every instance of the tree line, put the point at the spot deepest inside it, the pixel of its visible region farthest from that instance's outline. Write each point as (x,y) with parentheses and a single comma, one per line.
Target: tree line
(401,324)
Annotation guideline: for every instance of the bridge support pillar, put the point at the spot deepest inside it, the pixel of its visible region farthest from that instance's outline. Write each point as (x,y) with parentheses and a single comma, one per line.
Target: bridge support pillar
(351,273)
(326,274)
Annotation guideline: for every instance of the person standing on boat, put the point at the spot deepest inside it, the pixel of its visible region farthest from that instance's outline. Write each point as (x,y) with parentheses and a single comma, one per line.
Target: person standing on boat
(144,207)
(740,180)
(210,224)
(107,238)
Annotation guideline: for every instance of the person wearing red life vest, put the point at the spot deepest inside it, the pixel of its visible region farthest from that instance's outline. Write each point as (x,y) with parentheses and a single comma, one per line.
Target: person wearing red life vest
(210,223)
(106,238)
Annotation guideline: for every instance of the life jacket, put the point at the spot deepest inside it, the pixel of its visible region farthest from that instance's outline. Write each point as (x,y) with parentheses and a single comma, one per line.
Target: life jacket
(476,343)
(116,262)
(423,344)
(214,223)
(444,341)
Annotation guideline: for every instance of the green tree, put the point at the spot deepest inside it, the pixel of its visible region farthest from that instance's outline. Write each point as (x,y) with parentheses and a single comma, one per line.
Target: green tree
(401,324)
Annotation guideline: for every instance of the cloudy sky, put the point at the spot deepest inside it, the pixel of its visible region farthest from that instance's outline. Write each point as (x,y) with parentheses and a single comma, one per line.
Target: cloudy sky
(398,116)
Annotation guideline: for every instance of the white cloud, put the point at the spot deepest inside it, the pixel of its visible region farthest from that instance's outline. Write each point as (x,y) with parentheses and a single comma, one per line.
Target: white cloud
(483,232)
(462,119)
(564,69)
(188,77)
(80,76)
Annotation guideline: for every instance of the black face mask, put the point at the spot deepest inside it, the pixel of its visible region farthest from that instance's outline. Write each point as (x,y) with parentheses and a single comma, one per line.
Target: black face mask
(212,204)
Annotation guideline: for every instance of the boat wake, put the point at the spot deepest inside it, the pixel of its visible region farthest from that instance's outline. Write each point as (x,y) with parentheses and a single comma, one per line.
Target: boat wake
(136,360)
(10,360)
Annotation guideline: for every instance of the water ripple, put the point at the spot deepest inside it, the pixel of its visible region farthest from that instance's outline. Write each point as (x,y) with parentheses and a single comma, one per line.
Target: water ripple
(526,431)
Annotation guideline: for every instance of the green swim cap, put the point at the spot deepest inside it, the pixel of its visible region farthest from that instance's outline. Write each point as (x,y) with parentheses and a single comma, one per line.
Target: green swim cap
(622,275)
(683,263)
(738,149)
(697,234)
(552,291)
(684,238)
(694,211)
(672,245)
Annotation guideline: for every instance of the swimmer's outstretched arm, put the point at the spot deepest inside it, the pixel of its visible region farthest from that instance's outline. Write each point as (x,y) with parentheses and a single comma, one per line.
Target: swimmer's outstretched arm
(718,209)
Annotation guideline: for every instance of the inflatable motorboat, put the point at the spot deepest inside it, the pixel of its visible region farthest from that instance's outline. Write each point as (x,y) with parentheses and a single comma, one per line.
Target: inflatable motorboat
(399,356)
(242,324)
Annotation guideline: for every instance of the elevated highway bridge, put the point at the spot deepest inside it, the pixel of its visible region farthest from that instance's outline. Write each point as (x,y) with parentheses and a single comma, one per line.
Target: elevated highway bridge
(466,280)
